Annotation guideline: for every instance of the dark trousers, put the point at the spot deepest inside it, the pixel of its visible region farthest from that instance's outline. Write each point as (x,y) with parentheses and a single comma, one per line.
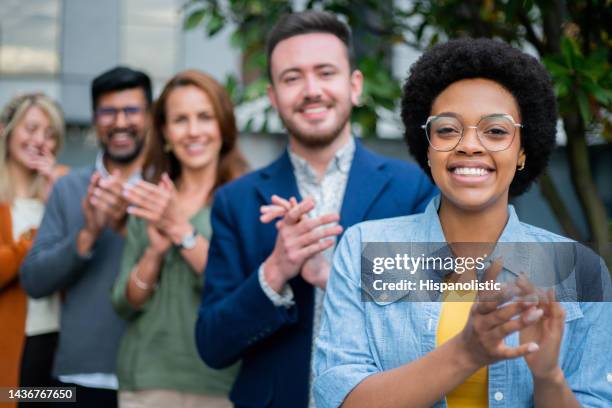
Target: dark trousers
(89,398)
(37,364)
(36,368)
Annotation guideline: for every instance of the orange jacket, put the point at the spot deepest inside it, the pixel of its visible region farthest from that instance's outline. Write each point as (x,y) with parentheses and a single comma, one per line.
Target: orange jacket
(13,301)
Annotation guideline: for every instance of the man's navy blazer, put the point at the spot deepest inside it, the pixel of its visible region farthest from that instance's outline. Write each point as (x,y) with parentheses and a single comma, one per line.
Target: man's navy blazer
(236,320)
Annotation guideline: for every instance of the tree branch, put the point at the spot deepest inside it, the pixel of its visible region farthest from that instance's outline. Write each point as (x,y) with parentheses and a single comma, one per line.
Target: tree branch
(552,19)
(582,179)
(558,207)
(531,35)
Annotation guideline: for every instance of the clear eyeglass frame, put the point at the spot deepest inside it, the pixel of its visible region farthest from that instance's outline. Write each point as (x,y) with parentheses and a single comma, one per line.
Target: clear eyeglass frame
(481,139)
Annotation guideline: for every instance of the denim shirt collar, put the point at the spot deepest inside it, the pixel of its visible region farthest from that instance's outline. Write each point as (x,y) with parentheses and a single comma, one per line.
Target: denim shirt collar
(514,261)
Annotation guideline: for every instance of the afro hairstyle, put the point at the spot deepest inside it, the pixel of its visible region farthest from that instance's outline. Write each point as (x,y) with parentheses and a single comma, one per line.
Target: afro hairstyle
(521,74)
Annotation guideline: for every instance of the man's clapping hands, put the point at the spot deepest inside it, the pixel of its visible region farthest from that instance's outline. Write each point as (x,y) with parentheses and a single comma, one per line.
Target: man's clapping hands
(300,242)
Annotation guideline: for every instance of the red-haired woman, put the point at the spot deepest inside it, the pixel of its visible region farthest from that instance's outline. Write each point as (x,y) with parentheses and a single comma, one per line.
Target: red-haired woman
(192,151)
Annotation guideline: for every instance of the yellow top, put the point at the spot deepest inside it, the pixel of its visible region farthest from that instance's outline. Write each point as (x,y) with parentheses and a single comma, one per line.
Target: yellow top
(453,316)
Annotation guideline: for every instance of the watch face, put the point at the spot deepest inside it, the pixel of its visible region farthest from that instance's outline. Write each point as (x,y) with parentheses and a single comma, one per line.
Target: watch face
(189,241)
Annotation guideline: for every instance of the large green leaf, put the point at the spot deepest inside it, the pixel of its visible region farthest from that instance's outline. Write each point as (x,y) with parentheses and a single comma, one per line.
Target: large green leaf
(583,106)
(556,68)
(216,22)
(569,52)
(194,19)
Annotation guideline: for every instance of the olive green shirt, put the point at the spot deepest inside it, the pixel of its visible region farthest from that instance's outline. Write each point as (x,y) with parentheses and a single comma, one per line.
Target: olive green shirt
(158,349)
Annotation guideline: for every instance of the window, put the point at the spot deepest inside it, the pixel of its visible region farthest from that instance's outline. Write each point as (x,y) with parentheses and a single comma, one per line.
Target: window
(29,37)
(149,34)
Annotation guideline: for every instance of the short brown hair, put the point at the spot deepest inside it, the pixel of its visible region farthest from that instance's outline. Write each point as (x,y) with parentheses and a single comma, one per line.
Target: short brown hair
(307,22)
(231,163)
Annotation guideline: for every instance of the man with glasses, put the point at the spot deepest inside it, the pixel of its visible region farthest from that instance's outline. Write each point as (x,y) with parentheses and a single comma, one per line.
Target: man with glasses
(80,241)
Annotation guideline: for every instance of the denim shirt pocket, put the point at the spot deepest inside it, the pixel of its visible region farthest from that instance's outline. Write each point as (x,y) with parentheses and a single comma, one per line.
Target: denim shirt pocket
(398,331)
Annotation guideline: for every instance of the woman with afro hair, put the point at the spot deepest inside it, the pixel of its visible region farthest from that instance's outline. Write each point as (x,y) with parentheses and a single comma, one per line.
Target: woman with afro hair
(480,119)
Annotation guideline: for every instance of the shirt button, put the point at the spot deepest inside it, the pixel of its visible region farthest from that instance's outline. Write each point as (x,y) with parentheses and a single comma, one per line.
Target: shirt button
(498,396)
(609,377)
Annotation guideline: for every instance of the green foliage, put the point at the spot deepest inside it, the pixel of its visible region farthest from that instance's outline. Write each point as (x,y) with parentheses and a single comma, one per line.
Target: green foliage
(376,26)
(582,83)
(210,16)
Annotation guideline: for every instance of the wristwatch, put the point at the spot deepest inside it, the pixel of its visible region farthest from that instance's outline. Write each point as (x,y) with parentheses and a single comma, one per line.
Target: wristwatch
(188,241)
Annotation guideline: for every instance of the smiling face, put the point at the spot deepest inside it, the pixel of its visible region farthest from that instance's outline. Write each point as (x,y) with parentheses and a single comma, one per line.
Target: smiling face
(469,176)
(313,88)
(192,128)
(32,137)
(121,119)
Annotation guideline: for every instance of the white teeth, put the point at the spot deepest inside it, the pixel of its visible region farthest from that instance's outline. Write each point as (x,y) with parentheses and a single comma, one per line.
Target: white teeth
(470,171)
(195,147)
(315,110)
(120,136)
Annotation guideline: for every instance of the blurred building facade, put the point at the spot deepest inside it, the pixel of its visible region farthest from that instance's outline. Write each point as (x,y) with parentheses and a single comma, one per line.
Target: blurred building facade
(59,46)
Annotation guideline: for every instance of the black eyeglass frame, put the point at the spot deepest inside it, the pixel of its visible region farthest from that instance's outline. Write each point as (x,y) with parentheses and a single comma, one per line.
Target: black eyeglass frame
(111,113)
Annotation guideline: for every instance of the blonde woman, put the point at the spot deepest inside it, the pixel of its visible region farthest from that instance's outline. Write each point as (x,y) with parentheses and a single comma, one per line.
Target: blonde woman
(31,134)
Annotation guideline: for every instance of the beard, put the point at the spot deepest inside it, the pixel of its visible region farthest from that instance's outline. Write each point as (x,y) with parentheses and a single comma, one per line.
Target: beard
(124,157)
(314,138)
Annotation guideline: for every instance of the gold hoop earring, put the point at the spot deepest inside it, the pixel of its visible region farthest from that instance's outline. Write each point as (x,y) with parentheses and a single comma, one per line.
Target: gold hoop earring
(521,167)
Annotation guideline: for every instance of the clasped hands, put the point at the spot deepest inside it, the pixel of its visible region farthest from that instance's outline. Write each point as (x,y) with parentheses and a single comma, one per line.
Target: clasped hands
(300,242)
(104,206)
(160,207)
(521,307)
(109,200)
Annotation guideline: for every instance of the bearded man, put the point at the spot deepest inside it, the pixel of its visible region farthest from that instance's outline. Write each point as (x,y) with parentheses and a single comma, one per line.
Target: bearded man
(79,244)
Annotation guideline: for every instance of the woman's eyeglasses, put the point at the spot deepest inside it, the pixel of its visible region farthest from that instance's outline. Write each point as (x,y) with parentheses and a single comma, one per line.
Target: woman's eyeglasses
(495,132)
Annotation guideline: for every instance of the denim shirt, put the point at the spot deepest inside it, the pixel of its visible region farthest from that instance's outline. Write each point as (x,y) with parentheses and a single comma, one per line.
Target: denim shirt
(358,339)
